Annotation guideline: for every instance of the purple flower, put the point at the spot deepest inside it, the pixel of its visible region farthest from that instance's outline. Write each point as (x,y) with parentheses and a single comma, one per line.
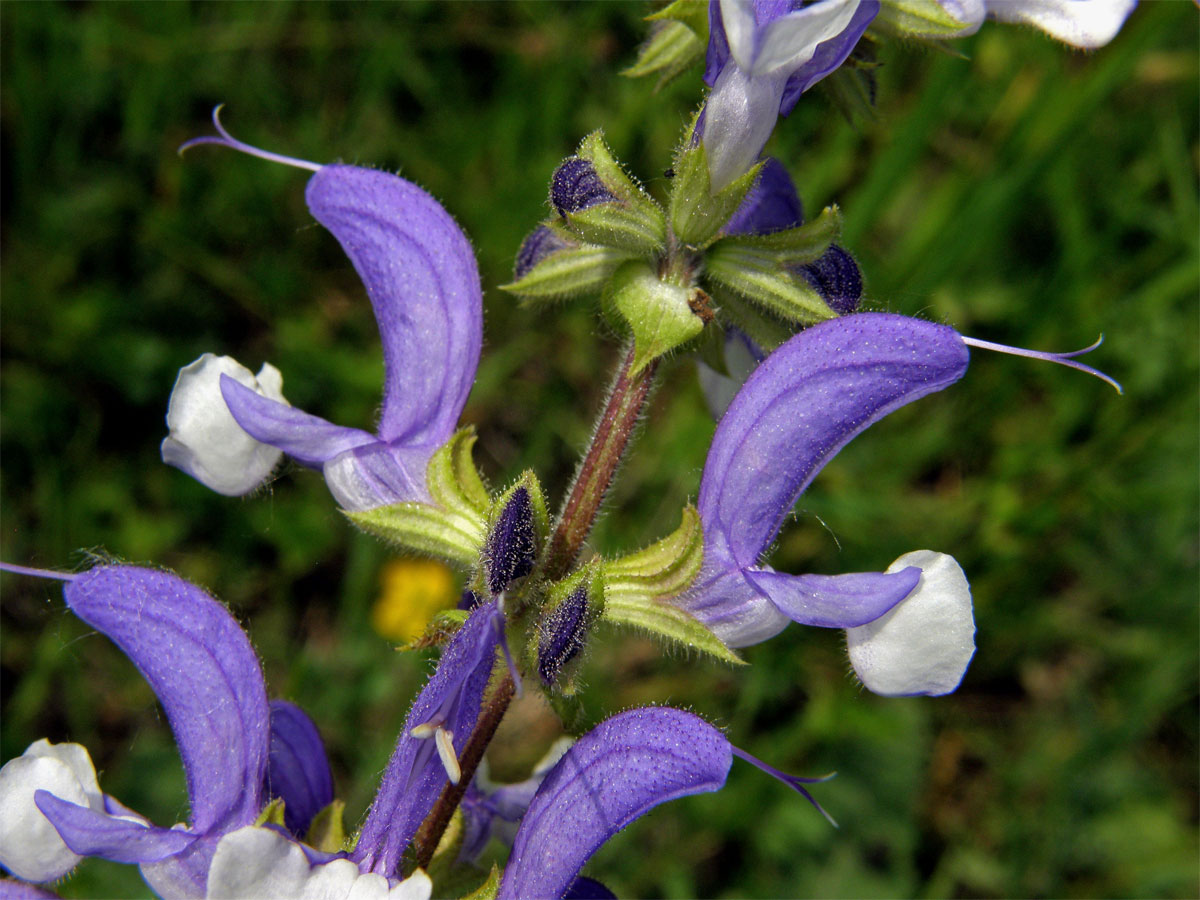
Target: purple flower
(423,283)
(803,404)
(1087,24)
(237,750)
(762,55)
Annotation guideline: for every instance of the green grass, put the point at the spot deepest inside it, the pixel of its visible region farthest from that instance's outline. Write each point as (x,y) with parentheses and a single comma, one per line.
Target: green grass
(1023,193)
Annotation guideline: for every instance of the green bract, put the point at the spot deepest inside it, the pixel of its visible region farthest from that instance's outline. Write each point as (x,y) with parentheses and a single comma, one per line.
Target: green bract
(637,588)
(697,215)
(662,314)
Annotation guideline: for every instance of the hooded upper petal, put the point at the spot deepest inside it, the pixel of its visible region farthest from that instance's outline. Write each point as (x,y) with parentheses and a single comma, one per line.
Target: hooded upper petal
(297,767)
(201,665)
(415,776)
(624,767)
(423,283)
(803,404)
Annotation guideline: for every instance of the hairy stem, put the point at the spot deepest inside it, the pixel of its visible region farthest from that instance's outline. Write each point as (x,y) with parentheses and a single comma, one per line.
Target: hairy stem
(431,830)
(596,471)
(595,474)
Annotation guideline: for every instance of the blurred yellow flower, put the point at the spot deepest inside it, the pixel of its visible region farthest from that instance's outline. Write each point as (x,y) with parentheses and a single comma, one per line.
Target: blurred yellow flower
(412,590)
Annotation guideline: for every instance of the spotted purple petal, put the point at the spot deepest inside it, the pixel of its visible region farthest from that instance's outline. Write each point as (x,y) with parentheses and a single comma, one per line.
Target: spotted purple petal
(423,282)
(621,769)
(414,776)
(201,665)
(297,768)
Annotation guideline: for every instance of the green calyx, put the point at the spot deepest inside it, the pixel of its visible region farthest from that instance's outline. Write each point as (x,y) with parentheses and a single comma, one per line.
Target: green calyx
(518,524)
(443,626)
(638,589)
(632,222)
(272,813)
(789,247)
(662,313)
(696,214)
(454,526)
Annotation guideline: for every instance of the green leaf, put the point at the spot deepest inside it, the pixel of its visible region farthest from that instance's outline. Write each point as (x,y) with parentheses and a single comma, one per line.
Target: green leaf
(570,273)
(638,589)
(327,831)
(755,275)
(662,315)
(671,50)
(696,215)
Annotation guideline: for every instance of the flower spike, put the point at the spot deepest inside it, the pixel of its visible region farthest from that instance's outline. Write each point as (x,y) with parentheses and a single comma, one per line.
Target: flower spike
(1063,359)
(228,140)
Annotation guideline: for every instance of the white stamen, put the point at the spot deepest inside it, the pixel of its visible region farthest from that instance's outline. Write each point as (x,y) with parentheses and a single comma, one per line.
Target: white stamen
(426,729)
(1063,359)
(445,748)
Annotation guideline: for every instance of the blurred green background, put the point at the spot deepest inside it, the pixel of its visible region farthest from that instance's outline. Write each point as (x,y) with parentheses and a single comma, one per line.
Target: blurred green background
(1022,192)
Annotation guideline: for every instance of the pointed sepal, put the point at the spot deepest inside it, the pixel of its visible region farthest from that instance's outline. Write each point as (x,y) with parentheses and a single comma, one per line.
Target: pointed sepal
(921,19)
(574,270)
(670,50)
(788,247)
(638,588)
(327,832)
(758,277)
(696,214)
(489,889)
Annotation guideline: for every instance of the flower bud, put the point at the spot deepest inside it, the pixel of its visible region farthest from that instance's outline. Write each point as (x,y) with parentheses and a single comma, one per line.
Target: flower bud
(837,278)
(514,541)
(539,244)
(576,185)
(572,607)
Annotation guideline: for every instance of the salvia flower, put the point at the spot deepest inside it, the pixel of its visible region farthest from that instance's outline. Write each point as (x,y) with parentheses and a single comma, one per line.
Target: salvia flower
(238,752)
(803,404)
(762,55)
(423,283)
(1086,24)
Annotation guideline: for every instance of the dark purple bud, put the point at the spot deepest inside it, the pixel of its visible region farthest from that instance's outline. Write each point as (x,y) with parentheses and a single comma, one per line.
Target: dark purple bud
(469,600)
(588,889)
(576,186)
(511,548)
(837,278)
(562,633)
(539,244)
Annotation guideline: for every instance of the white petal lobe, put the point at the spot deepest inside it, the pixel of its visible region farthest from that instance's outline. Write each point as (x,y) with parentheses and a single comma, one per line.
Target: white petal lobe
(30,847)
(205,440)
(925,643)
